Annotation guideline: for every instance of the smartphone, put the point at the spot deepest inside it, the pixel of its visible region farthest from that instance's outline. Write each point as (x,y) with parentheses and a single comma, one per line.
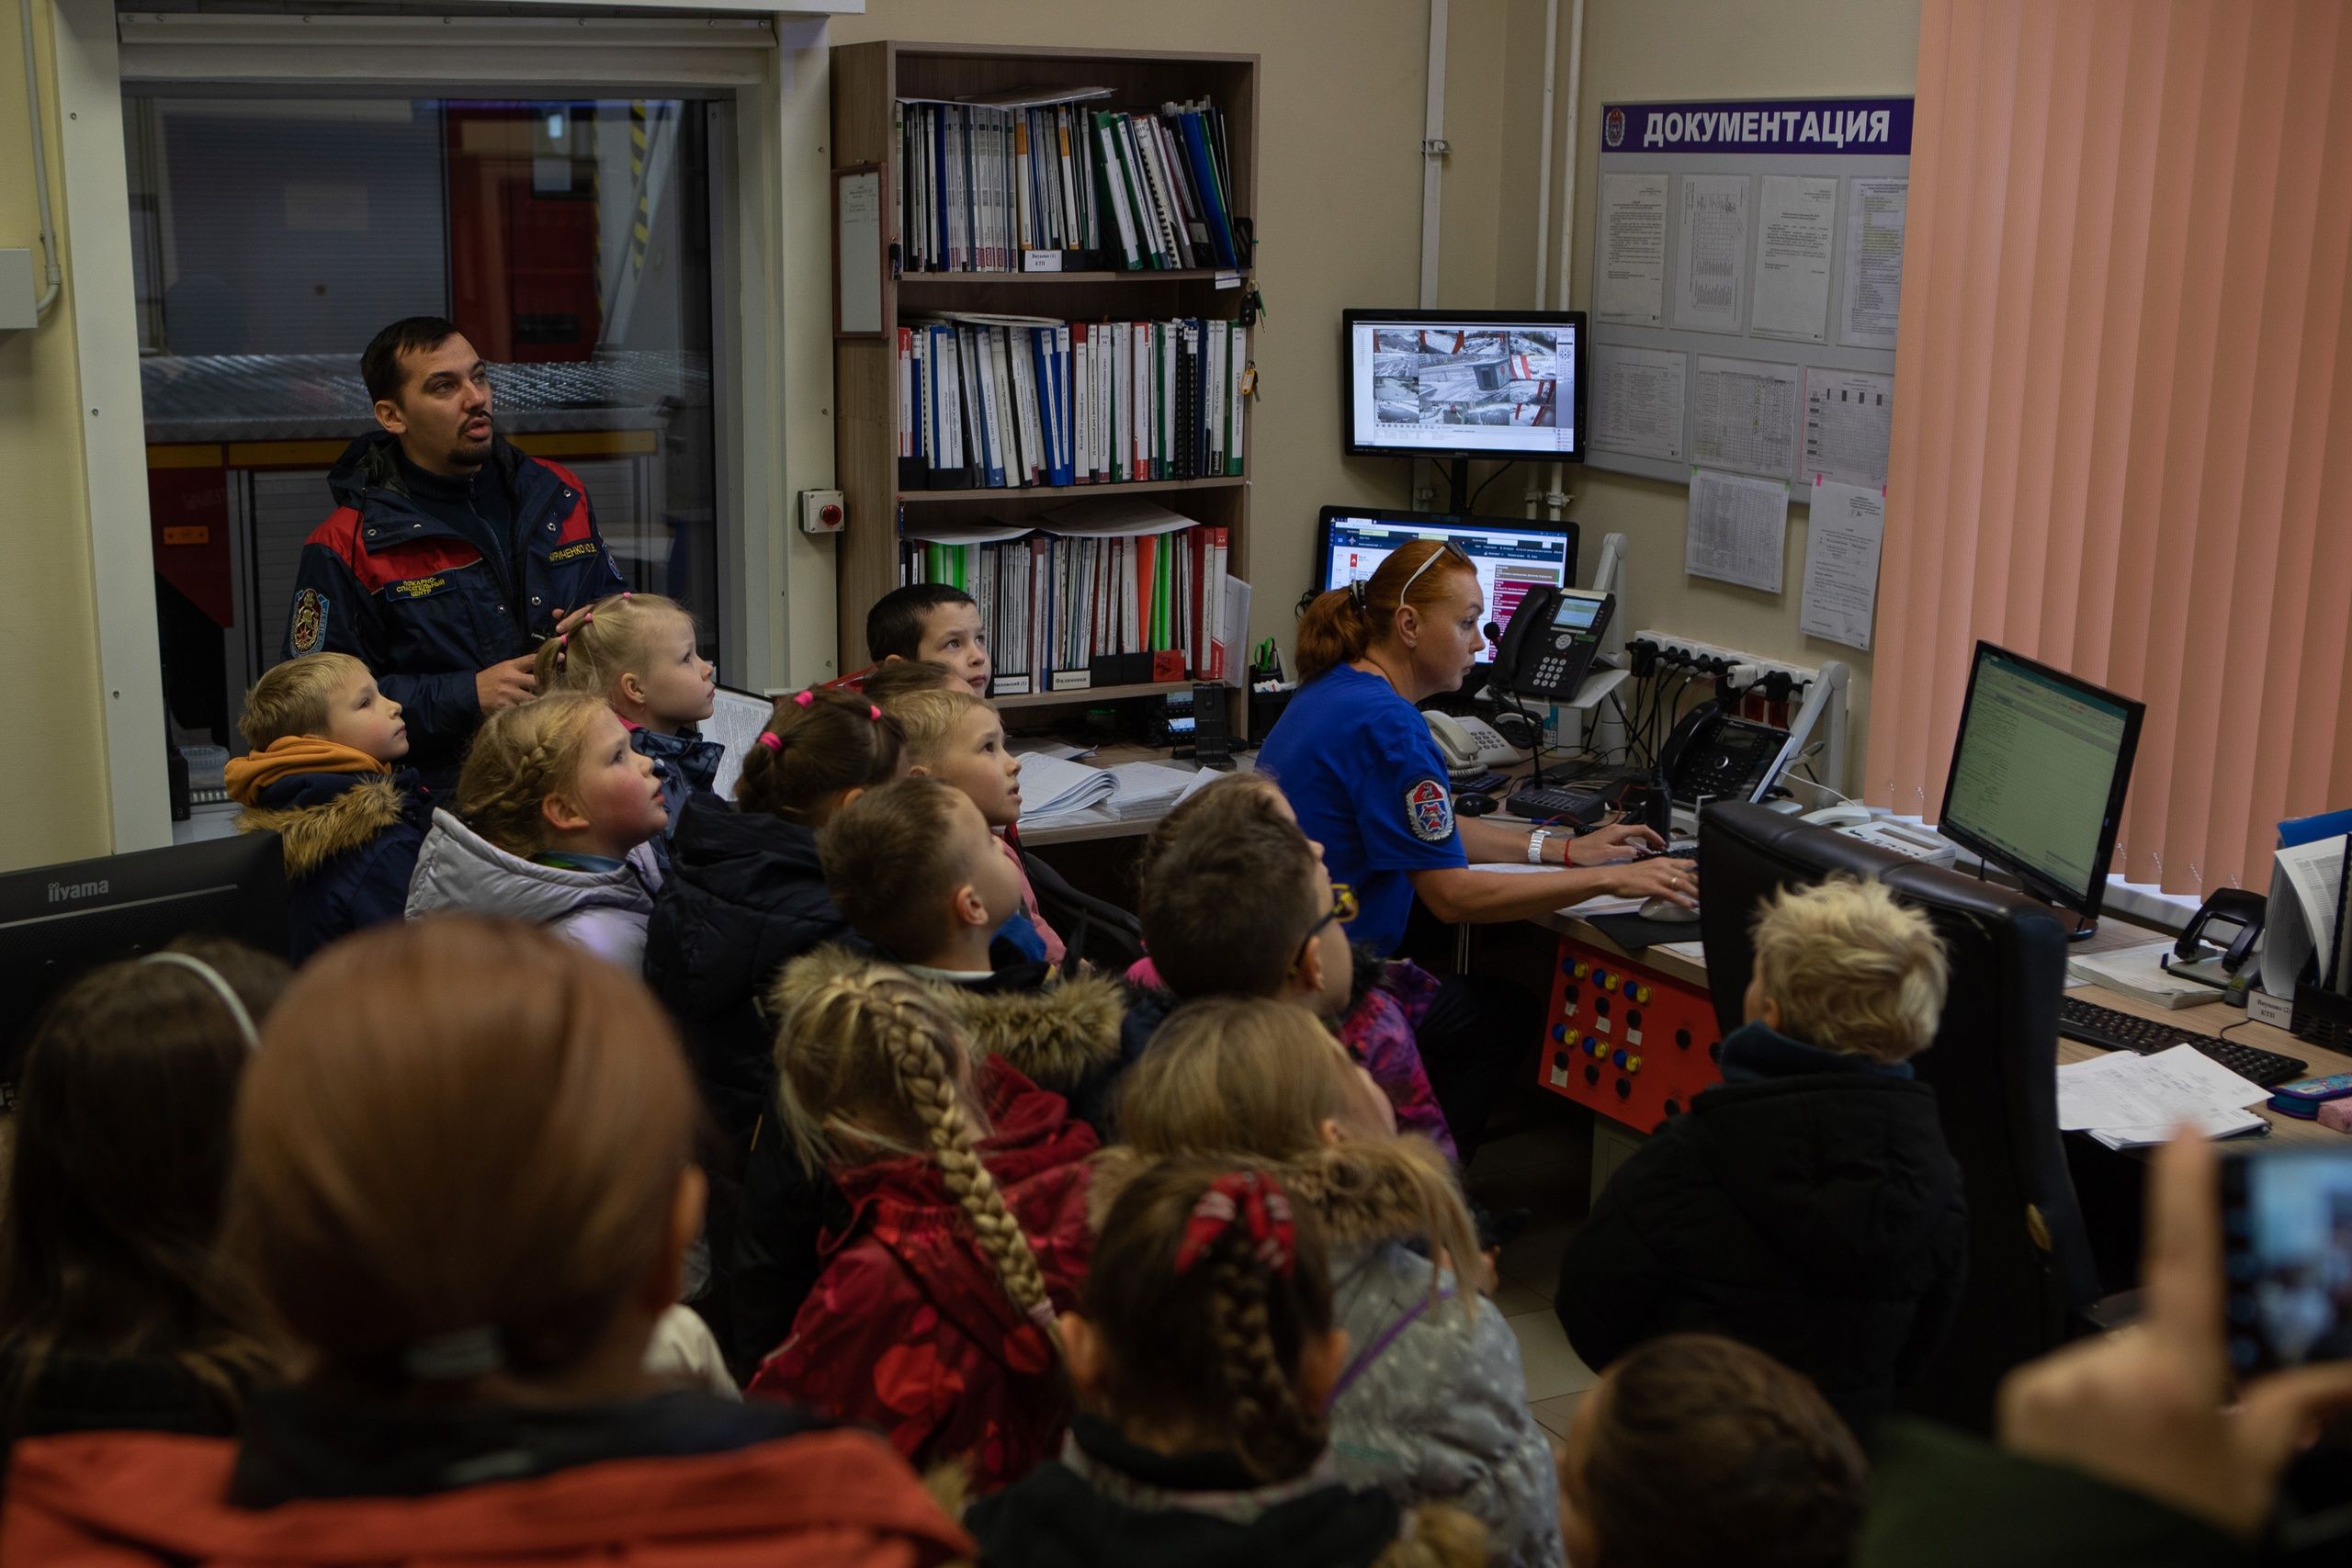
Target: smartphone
(2287,1256)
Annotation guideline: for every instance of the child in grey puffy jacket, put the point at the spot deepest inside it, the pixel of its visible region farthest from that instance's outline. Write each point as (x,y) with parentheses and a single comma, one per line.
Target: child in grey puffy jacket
(554,814)
(1432,1400)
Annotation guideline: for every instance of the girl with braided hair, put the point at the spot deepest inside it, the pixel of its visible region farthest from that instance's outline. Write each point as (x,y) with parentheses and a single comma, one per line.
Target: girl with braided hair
(554,818)
(1432,1402)
(1203,1356)
(640,653)
(935,1317)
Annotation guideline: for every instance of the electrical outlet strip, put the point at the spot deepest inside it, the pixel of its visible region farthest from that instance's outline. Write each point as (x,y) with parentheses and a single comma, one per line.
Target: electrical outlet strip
(1672,643)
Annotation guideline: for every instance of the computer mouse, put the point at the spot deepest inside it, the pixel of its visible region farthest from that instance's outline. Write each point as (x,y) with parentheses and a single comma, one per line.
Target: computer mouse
(1474,805)
(1667,909)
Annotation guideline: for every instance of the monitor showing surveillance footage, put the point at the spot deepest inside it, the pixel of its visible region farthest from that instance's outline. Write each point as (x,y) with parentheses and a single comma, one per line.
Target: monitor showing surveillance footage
(1497,384)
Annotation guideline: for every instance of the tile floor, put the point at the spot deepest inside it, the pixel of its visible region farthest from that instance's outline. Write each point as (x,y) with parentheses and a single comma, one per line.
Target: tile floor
(1540,1159)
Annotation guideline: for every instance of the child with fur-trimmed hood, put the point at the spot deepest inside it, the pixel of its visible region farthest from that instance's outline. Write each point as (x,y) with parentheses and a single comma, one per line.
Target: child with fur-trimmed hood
(912,867)
(320,776)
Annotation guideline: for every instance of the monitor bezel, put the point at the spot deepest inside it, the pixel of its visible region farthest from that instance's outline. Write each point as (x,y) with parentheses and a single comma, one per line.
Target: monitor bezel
(2086,903)
(1563,530)
(1574,319)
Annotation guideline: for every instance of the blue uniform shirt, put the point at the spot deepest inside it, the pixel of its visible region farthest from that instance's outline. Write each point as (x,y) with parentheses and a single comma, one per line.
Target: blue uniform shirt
(1359,767)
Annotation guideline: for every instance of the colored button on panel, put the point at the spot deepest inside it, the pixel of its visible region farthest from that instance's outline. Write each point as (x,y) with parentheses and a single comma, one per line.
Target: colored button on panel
(1560,1032)
(1582,969)
(1640,993)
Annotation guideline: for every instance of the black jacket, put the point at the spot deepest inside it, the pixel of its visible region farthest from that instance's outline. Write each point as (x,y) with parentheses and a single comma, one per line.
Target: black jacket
(1807,1206)
(1107,1501)
(745,896)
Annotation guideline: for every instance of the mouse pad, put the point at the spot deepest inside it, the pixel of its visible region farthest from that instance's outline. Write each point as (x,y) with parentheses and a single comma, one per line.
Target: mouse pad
(1634,933)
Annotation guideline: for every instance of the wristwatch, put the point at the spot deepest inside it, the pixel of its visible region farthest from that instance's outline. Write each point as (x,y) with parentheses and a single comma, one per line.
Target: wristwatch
(1536,845)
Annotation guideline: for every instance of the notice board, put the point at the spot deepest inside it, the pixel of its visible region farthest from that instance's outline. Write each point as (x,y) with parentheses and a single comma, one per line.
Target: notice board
(1746,271)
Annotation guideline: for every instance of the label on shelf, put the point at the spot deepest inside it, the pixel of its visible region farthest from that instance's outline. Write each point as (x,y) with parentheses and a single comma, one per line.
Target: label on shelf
(1040,261)
(1228,280)
(1072,679)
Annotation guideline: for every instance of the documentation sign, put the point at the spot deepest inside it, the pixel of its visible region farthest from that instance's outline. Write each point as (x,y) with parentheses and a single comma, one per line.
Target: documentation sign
(1871,127)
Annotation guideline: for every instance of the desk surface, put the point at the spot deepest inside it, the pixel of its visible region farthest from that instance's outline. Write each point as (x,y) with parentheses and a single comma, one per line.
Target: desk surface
(2207,1018)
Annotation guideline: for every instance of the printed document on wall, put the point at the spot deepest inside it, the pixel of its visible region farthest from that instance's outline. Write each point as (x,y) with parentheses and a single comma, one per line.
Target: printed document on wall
(1747,413)
(1629,279)
(1637,401)
(1849,417)
(1798,224)
(1874,216)
(1842,549)
(1738,526)
(1711,261)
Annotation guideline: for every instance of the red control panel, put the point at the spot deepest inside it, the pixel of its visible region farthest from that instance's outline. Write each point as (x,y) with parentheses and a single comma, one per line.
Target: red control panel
(1626,1041)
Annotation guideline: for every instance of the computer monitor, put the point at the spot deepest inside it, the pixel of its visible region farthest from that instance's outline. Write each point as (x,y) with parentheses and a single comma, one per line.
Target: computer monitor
(2039,772)
(1465,384)
(1511,554)
(58,921)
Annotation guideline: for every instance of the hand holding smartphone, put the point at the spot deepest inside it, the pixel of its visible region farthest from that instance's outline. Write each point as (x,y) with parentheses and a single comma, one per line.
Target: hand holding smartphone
(2287,1254)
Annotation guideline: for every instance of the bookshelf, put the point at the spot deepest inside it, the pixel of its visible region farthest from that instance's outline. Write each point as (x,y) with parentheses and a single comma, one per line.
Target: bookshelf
(868,81)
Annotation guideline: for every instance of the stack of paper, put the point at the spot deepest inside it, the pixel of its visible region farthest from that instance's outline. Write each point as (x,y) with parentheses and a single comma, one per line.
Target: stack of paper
(2139,971)
(2126,1101)
(1147,789)
(1053,786)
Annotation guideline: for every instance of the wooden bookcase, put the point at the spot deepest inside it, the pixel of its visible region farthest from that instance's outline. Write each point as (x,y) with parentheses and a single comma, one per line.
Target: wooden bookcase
(868,79)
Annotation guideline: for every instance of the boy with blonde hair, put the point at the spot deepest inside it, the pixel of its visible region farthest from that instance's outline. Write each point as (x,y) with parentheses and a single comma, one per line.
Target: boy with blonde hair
(1807,1205)
(320,775)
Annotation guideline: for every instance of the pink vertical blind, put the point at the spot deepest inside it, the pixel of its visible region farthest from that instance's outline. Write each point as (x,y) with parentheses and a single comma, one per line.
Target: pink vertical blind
(2122,437)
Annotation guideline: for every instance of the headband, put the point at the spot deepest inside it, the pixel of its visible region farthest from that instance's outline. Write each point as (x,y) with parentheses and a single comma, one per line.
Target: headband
(221,987)
(1254,1202)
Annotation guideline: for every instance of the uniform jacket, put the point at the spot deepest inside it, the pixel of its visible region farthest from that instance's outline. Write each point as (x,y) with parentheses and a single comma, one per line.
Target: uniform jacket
(351,842)
(908,1328)
(655,1482)
(1432,1403)
(1108,1501)
(1807,1206)
(604,911)
(385,581)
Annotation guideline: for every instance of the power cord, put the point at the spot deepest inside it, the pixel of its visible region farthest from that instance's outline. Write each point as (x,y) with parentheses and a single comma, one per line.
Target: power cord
(1489,479)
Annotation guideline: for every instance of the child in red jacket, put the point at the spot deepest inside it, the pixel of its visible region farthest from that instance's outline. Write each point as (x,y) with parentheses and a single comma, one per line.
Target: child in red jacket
(934,1317)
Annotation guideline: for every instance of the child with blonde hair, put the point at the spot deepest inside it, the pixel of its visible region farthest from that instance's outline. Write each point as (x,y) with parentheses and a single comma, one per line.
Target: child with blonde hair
(1432,1402)
(1203,1355)
(934,1318)
(955,736)
(745,894)
(1806,1205)
(555,816)
(321,775)
(639,653)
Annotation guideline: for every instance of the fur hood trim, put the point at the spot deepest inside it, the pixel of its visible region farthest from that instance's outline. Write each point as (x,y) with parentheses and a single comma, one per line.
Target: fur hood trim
(313,834)
(1053,1037)
(1437,1535)
(1363,1192)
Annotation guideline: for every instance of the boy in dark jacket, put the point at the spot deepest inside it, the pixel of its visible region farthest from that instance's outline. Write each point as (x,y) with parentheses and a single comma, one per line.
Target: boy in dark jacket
(1807,1205)
(320,776)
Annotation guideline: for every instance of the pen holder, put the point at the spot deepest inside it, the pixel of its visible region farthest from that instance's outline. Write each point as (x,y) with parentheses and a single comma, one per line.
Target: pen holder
(1265,708)
(2322,1018)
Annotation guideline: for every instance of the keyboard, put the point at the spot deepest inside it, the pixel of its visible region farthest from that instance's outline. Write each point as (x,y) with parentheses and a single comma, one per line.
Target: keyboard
(1483,783)
(2112,1031)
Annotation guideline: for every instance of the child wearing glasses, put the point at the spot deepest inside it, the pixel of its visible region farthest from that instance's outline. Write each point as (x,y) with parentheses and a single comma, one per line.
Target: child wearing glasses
(1236,901)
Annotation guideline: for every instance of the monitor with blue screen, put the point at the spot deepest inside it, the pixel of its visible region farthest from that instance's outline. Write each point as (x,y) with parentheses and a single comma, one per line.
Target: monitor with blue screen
(1511,554)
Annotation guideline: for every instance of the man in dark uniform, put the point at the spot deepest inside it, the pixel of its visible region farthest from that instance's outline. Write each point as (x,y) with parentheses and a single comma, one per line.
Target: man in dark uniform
(451,555)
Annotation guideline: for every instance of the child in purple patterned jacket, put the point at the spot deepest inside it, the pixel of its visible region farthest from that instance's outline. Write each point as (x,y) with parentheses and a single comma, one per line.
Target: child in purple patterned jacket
(1237,902)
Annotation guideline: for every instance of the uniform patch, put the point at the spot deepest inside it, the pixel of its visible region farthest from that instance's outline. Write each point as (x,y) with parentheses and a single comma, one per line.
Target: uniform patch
(307,632)
(418,587)
(573,552)
(1429,808)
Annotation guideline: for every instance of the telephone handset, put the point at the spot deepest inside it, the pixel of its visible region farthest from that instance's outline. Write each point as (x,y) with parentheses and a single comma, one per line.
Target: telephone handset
(1470,746)
(1550,644)
(1713,756)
